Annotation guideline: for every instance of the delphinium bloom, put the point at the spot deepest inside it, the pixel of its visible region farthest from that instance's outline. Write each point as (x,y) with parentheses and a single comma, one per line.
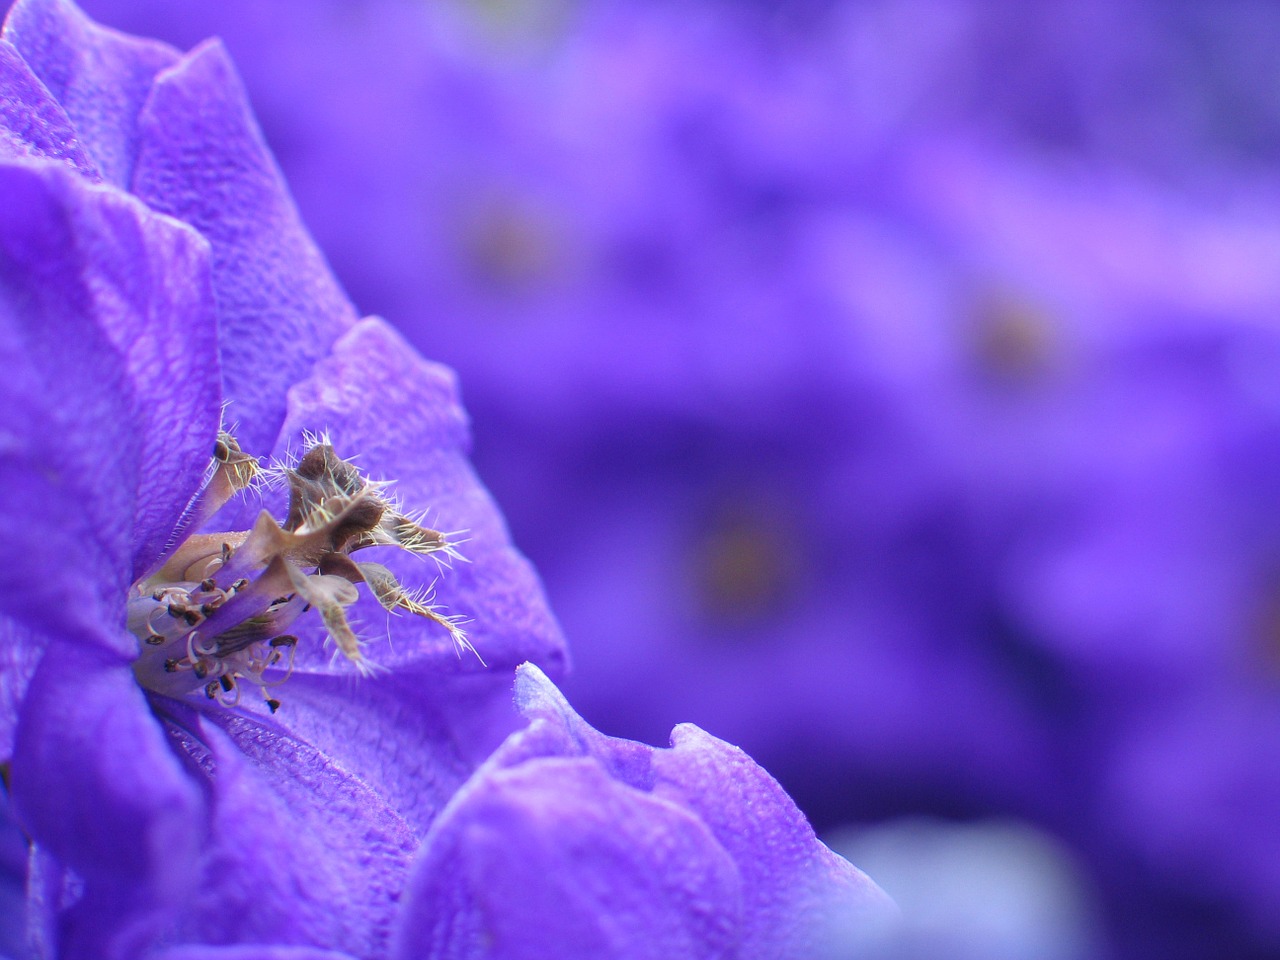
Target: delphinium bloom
(221,484)
(634,232)
(636,229)
(129,335)
(971,487)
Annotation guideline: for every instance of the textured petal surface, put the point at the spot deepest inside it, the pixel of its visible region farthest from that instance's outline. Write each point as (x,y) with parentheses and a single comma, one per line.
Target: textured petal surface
(414,740)
(201,159)
(109,420)
(553,858)
(398,416)
(297,850)
(799,898)
(32,123)
(567,843)
(100,77)
(20,652)
(96,784)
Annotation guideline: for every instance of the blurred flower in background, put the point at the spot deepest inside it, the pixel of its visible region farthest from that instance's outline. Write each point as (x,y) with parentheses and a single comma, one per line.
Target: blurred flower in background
(891,388)
(987,890)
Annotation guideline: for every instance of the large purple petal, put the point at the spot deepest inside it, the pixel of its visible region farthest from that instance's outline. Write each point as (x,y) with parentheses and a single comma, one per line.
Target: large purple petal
(170,345)
(110,418)
(798,896)
(291,826)
(568,843)
(413,739)
(398,416)
(292,835)
(201,158)
(99,76)
(96,784)
(555,858)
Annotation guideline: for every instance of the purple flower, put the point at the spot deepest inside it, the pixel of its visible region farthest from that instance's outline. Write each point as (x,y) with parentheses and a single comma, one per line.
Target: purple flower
(133,322)
(156,286)
(960,458)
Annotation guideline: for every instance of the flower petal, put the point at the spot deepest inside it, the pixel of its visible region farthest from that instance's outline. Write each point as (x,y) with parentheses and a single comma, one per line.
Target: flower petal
(99,300)
(32,124)
(292,836)
(99,76)
(20,651)
(201,159)
(399,417)
(413,740)
(96,784)
(800,899)
(553,858)
(569,843)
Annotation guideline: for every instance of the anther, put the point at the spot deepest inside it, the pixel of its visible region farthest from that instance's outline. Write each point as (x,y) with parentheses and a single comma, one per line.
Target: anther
(304,564)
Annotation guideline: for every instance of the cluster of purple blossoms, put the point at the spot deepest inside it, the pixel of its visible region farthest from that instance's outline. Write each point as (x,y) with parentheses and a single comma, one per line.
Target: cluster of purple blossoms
(255,691)
(889,387)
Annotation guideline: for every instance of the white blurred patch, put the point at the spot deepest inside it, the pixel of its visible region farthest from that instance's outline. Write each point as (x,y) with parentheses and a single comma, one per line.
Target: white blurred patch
(992,890)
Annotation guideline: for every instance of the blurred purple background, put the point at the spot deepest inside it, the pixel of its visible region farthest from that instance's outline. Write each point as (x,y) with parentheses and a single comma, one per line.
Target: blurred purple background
(891,388)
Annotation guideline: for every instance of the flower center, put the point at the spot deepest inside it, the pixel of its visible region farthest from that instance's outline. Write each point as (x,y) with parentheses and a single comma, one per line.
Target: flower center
(748,563)
(217,610)
(1016,340)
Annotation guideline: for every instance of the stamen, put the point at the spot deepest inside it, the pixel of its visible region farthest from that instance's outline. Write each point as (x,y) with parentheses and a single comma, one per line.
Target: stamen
(213,613)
